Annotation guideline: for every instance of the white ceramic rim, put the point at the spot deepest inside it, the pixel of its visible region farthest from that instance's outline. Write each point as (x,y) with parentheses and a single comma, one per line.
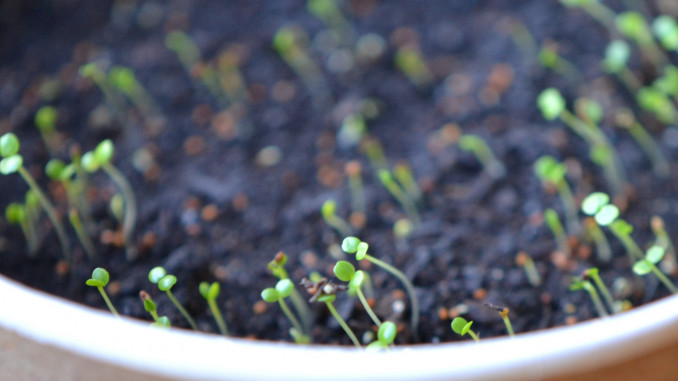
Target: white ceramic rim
(132,344)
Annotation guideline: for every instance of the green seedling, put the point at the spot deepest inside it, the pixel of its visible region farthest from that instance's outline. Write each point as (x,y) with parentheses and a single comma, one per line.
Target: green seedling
(552,173)
(597,205)
(633,26)
(550,59)
(553,222)
(277,268)
(329,13)
(81,232)
(113,98)
(387,180)
(352,130)
(45,120)
(476,145)
(99,280)
(504,313)
(210,292)
(523,39)
(124,80)
(385,336)
(165,282)
(626,120)
(328,211)
(658,103)
(282,290)
(617,55)
(345,272)
(594,274)
(583,284)
(291,44)
(665,29)
(353,171)
(325,291)
(647,265)
(525,261)
(374,153)
(102,157)
(668,82)
(461,327)
(403,173)
(595,233)
(595,9)
(602,153)
(662,238)
(410,61)
(402,228)
(13,162)
(353,245)
(151,308)
(15,213)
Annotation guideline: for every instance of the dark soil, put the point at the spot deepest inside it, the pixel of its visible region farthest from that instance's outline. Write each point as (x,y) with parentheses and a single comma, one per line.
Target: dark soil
(210,211)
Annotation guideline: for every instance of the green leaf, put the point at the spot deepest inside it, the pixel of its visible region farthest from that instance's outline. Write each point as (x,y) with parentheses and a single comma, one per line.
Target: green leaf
(99,278)
(577,284)
(469,142)
(9,144)
(344,271)
(89,162)
(326,298)
(270,295)
(458,325)
(284,40)
(642,267)
(350,244)
(655,254)
(11,164)
(606,215)
(590,110)
(633,25)
(385,176)
(204,289)
(167,282)
(362,251)
(15,213)
(149,305)
(104,152)
(551,103)
(328,209)
(357,280)
(547,168)
(593,202)
(376,345)
(54,168)
(123,78)
(45,118)
(466,328)
(163,322)
(621,227)
(617,55)
(284,287)
(156,274)
(601,154)
(387,332)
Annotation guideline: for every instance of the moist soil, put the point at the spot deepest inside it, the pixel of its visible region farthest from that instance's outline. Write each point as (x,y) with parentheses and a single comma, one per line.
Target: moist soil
(222,185)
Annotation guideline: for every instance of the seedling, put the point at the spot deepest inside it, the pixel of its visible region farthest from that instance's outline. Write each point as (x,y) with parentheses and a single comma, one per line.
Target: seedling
(403,173)
(594,274)
(596,234)
(647,265)
(325,291)
(353,245)
(113,98)
(15,213)
(525,261)
(551,172)
(328,211)
(102,157)
(165,282)
(633,25)
(13,162)
(461,327)
(553,222)
(344,271)
(617,55)
(282,290)
(597,204)
(375,154)
(329,13)
(602,153)
(550,59)
(210,292)
(277,268)
(476,145)
(150,307)
(595,9)
(658,103)
(353,171)
(99,279)
(352,130)
(45,120)
(124,79)
(387,180)
(626,119)
(410,61)
(504,313)
(666,30)
(583,284)
(385,336)
(81,232)
(662,239)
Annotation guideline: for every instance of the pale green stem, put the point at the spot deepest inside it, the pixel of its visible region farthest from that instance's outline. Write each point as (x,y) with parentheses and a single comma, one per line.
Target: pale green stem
(130,206)
(604,291)
(664,279)
(80,231)
(293,319)
(183,311)
(343,324)
(108,301)
(368,309)
(212,303)
(569,203)
(509,326)
(597,303)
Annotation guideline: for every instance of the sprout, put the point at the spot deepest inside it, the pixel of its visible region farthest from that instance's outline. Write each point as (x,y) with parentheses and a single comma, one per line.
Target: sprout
(99,280)
(405,200)
(283,289)
(210,292)
(583,284)
(647,265)
(550,171)
(150,307)
(617,56)
(551,103)
(594,274)
(475,144)
(666,30)
(328,211)
(324,291)
(165,282)
(345,272)
(461,327)
(385,336)
(277,268)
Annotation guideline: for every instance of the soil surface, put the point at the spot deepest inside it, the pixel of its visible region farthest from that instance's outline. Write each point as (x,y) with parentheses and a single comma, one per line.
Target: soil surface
(225,181)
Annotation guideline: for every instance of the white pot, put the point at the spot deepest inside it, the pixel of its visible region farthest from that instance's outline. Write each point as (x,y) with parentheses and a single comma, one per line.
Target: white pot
(48,338)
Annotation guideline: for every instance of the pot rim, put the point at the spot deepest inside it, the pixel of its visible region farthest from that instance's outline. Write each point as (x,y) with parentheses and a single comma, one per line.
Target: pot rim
(177,353)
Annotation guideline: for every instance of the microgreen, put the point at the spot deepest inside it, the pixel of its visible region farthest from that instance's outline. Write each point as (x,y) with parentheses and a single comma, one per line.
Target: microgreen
(328,211)
(324,291)
(124,79)
(462,327)
(387,180)
(647,265)
(81,232)
(663,239)
(655,101)
(633,25)
(345,272)
(99,279)
(353,171)
(385,336)
(13,162)
(45,120)
(277,268)
(329,13)
(666,30)
(660,166)
(551,172)
(282,290)
(550,59)
(353,245)
(165,282)
(102,157)
(553,222)
(15,213)
(617,55)
(586,285)
(476,145)
(596,234)
(210,292)
(151,308)
(504,313)
(525,261)
(594,274)
(410,61)
(403,173)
